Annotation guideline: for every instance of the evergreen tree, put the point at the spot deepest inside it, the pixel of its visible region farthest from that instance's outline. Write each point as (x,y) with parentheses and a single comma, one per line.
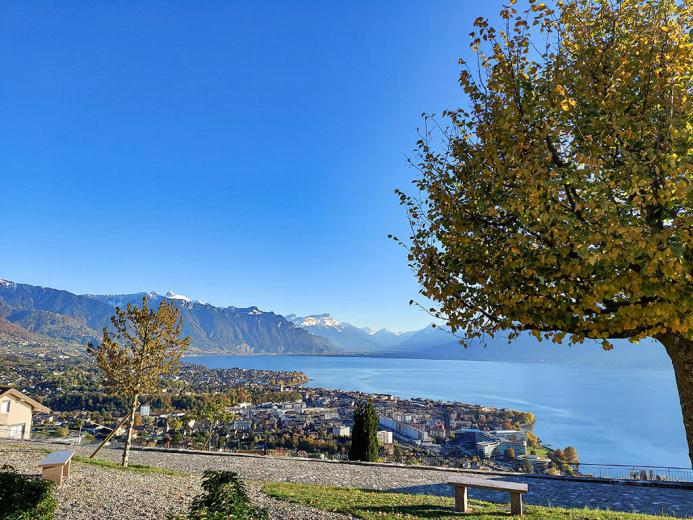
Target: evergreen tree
(364,434)
(144,346)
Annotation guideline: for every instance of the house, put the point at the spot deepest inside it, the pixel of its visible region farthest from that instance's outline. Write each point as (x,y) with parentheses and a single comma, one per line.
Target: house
(16,410)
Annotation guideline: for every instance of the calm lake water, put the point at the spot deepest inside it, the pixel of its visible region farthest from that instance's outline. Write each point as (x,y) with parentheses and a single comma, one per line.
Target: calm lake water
(612,416)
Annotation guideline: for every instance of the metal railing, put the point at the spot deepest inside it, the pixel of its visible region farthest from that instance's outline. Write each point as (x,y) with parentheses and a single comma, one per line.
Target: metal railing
(610,471)
(627,472)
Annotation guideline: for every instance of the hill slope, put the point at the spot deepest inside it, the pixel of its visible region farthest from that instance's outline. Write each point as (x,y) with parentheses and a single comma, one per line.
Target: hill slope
(64,315)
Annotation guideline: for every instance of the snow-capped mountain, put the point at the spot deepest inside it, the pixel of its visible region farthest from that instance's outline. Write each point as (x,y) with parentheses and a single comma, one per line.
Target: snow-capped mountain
(173,296)
(80,318)
(342,334)
(366,339)
(317,320)
(121,300)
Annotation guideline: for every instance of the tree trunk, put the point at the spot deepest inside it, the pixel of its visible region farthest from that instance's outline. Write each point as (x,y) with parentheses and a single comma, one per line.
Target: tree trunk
(680,350)
(131,425)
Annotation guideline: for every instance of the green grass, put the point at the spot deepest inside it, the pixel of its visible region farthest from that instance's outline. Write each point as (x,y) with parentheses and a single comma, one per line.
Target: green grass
(136,468)
(380,505)
(542,452)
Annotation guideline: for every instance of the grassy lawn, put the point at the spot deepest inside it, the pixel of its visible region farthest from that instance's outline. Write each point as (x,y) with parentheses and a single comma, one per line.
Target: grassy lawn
(137,468)
(381,505)
(542,452)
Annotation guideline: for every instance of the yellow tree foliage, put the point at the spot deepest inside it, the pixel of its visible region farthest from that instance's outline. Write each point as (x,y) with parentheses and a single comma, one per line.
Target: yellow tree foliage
(143,346)
(561,198)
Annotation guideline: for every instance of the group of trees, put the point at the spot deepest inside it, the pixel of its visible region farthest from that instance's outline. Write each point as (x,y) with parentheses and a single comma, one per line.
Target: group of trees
(560,202)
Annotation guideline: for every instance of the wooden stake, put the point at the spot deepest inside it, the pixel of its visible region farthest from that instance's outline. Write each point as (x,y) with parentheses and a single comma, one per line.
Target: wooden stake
(108,437)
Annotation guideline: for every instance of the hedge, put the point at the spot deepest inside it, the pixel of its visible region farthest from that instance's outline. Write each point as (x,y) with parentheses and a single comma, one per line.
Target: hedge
(25,497)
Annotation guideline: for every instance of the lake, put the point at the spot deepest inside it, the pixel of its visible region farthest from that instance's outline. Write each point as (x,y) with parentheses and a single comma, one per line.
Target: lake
(611,415)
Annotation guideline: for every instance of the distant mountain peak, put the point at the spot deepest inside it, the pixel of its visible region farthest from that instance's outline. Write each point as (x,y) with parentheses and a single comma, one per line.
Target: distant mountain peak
(7,283)
(315,320)
(324,320)
(173,296)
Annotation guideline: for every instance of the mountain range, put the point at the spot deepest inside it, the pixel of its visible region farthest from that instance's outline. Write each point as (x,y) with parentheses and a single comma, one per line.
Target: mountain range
(434,342)
(43,315)
(80,318)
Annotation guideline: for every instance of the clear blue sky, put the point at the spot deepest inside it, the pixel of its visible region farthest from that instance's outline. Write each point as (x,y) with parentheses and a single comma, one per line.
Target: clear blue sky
(243,153)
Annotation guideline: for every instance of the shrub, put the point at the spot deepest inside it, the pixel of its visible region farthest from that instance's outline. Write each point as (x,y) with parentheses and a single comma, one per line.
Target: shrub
(223,497)
(25,497)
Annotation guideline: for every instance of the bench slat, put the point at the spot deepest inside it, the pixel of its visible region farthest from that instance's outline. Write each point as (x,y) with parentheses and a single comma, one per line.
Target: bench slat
(486,483)
(57,457)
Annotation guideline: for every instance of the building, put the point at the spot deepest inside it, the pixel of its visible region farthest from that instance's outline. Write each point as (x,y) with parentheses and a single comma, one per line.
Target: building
(385,437)
(403,428)
(487,444)
(510,439)
(145,410)
(16,410)
(341,431)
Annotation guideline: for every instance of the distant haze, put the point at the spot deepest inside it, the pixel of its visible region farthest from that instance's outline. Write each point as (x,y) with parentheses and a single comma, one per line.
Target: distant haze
(39,314)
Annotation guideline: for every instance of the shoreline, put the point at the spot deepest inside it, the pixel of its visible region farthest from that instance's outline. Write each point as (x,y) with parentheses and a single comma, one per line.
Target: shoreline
(579,363)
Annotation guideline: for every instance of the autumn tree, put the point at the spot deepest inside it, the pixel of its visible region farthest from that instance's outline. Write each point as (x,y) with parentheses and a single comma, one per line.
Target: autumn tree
(364,433)
(214,411)
(559,199)
(143,346)
(570,455)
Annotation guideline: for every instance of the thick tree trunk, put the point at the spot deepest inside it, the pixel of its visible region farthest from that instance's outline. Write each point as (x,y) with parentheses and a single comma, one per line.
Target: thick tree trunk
(680,350)
(131,425)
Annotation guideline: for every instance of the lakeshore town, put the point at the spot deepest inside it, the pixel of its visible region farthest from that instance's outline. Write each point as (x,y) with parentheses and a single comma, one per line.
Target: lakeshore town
(273,413)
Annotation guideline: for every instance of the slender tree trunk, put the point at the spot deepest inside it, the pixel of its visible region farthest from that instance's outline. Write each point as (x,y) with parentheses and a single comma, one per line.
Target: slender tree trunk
(680,350)
(131,425)
(208,444)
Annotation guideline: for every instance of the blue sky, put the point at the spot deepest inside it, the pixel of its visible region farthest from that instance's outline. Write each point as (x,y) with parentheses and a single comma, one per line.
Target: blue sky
(243,153)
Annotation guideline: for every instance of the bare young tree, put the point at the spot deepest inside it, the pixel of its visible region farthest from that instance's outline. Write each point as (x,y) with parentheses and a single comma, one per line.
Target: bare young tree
(143,346)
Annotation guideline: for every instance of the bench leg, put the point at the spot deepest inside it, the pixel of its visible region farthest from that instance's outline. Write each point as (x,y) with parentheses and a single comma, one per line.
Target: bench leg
(54,473)
(461,499)
(66,470)
(516,504)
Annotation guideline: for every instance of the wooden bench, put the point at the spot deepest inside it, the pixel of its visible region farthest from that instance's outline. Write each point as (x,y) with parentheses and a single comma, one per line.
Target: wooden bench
(56,466)
(514,488)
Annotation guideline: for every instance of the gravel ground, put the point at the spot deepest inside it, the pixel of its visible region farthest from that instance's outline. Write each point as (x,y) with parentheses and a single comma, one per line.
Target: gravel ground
(94,492)
(550,492)
(177,491)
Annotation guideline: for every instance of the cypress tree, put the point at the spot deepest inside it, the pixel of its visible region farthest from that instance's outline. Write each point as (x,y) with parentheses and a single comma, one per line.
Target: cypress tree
(364,434)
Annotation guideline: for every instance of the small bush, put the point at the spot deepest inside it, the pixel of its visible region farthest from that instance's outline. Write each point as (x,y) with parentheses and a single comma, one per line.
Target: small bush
(25,497)
(223,497)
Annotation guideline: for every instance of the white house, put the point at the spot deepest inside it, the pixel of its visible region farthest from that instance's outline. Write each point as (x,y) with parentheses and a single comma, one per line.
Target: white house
(16,410)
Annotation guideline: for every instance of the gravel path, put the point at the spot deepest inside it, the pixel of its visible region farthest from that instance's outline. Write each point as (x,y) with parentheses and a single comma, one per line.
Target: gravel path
(560,493)
(94,492)
(159,494)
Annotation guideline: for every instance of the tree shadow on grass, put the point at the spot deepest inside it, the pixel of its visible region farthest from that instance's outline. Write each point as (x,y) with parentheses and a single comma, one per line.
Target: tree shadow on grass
(445,490)
(426,511)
